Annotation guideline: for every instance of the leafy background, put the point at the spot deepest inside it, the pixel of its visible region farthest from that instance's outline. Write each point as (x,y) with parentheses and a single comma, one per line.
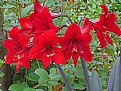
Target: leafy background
(38,79)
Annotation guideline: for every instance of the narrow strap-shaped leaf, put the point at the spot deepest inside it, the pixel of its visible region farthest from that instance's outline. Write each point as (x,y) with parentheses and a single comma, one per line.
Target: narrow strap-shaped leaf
(95,82)
(114,83)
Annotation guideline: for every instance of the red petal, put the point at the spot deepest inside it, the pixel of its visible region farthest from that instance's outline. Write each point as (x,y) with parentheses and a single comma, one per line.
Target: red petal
(25,23)
(99,25)
(25,61)
(26,32)
(101,38)
(86,27)
(104,8)
(12,45)
(75,57)
(18,67)
(46,61)
(111,18)
(14,34)
(73,31)
(9,58)
(108,39)
(43,20)
(37,6)
(114,28)
(48,38)
(36,52)
(87,55)
(86,39)
(58,58)
(102,17)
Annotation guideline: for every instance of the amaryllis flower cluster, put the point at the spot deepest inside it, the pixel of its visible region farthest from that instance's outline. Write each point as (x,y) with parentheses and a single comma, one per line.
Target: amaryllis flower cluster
(49,48)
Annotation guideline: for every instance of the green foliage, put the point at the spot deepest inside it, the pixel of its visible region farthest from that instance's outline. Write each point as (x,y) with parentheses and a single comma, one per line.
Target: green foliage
(16,87)
(29,89)
(1,74)
(45,80)
(1,62)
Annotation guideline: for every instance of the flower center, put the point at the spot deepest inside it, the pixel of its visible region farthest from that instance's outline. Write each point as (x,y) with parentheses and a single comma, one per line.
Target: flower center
(18,56)
(50,55)
(74,50)
(50,52)
(74,45)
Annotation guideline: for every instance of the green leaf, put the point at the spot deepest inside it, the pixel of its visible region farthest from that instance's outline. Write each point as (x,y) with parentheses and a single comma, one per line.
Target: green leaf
(95,81)
(78,86)
(43,81)
(25,85)
(54,83)
(53,70)
(42,73)
(79,72)
(26,10)
(109,51)
(0,89)
(50,2)
(114,83)
(1,62)
(32,77)
(64,89)
(29,89)
(54,76)
(16,87)
(39,90)
(1,74)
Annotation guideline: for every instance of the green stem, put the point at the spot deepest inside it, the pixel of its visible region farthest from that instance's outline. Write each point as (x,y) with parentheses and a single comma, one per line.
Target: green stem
(38,63)
(69,87)
(44,3)
(86,75)
(14,77)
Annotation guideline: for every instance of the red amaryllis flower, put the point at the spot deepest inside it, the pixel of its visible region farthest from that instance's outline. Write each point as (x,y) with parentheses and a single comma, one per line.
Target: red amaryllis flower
(27,28)
(46,49)
(17,49)
(104,25)
(76,41)
(43,22)
(37,8)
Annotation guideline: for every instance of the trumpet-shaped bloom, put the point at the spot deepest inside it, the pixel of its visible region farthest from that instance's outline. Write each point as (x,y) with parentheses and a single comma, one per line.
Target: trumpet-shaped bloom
(104,25)
(46,49)
(37,8)
(43,22)
(75,42)
(27,28)
(17,49)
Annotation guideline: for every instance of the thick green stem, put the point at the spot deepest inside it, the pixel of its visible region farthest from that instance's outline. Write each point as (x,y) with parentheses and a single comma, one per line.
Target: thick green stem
(86,75)
(69,87)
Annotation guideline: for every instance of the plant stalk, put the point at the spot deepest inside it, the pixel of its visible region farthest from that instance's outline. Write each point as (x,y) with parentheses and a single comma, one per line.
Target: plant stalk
(69,87)
(86,74)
